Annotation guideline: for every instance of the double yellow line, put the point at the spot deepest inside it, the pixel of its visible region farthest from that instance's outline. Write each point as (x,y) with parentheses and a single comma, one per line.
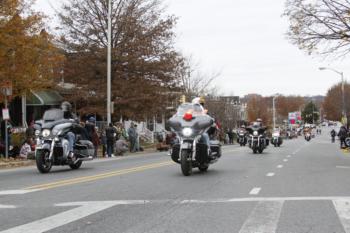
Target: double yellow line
(97,177)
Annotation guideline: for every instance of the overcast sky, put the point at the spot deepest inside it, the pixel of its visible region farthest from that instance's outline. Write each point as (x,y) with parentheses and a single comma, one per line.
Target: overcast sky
(245,41)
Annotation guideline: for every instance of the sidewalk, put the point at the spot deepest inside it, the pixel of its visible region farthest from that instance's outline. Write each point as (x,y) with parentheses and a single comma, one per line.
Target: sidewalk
(14,163)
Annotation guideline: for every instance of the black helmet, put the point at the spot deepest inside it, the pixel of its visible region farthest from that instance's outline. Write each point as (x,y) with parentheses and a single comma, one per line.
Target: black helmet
(66,106)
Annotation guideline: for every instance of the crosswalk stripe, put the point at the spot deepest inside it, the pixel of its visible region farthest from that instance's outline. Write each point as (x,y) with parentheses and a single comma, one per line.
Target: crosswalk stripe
(264,218)
(343,209)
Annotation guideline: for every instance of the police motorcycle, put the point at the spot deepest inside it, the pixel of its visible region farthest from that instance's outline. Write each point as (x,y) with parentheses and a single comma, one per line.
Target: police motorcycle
(276,139)
(242,137)
(190,123)
(257,139)
(52,145)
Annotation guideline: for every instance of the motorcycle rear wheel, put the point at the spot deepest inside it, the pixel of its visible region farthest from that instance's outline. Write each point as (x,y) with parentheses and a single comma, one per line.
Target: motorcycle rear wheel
(186,165)
(42,161)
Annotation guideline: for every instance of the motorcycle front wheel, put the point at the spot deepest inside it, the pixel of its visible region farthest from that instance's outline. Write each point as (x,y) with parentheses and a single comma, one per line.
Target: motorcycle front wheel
(76,165)
(186,164)
(43,163)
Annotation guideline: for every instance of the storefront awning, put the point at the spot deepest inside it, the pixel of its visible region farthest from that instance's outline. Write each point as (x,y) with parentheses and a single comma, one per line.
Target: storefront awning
(44,98)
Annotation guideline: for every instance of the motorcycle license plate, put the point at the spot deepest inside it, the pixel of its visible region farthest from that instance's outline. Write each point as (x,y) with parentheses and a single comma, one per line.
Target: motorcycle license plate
(186,145)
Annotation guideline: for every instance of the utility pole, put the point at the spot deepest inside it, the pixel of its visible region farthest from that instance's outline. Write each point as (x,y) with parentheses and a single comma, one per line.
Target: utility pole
(109,61)
(274,112)
(6,133)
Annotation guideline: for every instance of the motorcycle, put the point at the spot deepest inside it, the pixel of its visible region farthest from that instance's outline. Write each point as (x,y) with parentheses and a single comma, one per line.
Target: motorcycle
(307,136)
(52,146)
(276,139)
(242,139)
(257,140)
(190,151)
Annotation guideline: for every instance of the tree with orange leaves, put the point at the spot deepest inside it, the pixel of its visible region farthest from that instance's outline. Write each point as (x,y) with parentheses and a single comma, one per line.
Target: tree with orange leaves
(28,57)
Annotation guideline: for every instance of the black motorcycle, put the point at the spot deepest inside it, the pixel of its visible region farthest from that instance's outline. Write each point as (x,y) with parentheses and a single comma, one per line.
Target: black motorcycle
(257,139)
(190,123)
(52,145)
(276,139)
(242,137)
(307,136)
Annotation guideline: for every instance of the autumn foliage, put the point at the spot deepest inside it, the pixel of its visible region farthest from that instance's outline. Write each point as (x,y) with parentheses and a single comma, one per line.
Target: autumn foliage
(333,102)
(262,107)
(28,57)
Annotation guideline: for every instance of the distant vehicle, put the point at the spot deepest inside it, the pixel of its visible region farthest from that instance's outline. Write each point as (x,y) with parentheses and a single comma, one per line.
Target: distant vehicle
(276,139)
(257,140)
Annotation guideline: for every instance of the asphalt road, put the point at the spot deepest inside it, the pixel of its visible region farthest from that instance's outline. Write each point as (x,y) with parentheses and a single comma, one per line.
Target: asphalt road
(300,187)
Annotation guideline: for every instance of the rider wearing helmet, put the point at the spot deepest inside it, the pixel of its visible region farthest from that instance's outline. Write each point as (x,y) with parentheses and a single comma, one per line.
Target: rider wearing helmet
(70,136)
(205,136)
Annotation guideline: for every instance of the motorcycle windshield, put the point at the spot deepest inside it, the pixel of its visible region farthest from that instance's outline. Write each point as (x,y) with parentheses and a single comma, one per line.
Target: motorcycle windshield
(194,109)
(53,115)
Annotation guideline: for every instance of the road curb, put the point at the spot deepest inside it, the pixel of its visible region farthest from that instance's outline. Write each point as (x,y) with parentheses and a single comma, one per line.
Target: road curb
(15,164)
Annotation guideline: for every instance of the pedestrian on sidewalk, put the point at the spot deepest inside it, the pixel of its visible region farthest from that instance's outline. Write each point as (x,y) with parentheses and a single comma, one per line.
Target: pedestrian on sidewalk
(342,134)
(110,136)
(92,134)
(132,137)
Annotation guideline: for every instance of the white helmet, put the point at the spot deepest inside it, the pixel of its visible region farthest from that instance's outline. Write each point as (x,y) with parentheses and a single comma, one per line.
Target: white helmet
(196,100)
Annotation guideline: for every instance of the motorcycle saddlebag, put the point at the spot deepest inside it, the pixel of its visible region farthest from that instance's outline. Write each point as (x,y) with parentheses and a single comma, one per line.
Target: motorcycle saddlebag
(175,153)
(215,148)
(84,148)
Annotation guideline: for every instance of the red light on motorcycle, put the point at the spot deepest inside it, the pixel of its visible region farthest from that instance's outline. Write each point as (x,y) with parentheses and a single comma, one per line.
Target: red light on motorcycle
(188,116)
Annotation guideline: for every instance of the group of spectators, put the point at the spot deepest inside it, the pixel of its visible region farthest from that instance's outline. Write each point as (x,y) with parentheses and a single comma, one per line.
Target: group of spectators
(114,139)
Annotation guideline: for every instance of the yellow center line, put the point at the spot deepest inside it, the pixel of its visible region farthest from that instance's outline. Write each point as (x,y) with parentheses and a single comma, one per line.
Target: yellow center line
(98,177)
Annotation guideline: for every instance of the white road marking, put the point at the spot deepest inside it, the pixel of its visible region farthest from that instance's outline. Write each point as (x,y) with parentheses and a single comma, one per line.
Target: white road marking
(343,209)
(264,218)
(266,199)
(255,191)
(85,209)
(270,174)
(7,206)
(344,167)
(17,192)
(280,166)
(288,156)
(285,160)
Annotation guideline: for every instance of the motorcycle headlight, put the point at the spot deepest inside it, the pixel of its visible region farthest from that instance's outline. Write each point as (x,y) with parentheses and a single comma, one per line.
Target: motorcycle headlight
(46,132)
(37,132)
(255,133)
(187,132)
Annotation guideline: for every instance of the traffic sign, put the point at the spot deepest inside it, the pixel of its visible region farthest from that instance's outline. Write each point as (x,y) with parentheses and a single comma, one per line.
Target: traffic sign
(5,114)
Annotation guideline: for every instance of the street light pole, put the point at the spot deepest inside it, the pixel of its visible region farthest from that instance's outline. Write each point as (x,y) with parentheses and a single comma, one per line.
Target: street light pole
(344,115)
(274,112)
(109,61)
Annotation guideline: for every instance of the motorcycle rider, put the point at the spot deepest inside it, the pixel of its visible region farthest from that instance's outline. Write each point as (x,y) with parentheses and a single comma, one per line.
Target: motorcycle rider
(70,136)
(342,134)
(205,136)
(243,130)
(333,133)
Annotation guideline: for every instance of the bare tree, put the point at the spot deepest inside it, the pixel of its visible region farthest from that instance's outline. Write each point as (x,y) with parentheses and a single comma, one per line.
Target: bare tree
(144,61)
(320,26)
(193,81)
